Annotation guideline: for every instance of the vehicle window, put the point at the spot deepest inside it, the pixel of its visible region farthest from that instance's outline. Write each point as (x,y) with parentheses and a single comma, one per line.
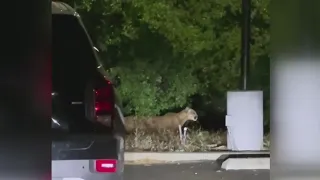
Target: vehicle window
(73,56)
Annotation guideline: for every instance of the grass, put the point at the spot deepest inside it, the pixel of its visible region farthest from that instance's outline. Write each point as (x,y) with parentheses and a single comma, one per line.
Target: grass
(169,141)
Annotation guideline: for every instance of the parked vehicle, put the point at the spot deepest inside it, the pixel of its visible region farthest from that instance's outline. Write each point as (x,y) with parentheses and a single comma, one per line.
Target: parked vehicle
(87,121)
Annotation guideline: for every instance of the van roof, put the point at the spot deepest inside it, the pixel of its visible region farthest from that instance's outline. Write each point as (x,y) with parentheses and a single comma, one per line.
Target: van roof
(62,8)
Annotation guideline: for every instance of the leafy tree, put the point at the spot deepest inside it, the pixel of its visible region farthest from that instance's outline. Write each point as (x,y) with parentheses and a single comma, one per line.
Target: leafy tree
(164,51)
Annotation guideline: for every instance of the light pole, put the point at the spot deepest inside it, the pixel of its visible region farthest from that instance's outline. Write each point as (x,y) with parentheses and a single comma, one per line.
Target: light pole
(244,118)
(245,43)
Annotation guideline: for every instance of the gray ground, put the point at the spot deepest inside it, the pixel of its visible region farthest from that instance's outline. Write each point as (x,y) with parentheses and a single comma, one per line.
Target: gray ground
(190,171)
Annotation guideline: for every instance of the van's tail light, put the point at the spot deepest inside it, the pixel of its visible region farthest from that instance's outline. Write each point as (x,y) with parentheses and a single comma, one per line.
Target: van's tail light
(104,103)
(106,166)
(104,100)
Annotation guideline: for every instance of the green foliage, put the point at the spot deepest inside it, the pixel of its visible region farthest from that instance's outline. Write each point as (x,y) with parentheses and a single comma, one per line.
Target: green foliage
(148,92)
(165,51)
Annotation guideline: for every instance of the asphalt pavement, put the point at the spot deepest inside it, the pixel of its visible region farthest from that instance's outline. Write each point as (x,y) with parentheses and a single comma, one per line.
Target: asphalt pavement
(190,171)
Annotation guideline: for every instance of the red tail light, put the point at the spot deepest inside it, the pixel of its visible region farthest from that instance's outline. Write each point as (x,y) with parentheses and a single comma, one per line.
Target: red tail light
(106,166)
(104,103)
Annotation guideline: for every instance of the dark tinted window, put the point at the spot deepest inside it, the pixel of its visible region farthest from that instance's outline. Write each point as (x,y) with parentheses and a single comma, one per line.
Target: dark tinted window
(73,56)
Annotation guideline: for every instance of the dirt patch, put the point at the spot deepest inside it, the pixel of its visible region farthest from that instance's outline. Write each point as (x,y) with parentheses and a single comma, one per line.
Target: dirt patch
(169,141)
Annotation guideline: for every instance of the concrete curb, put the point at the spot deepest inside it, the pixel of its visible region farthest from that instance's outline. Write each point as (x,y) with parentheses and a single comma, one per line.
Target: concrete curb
(244,161)
(246,164)
(165,157)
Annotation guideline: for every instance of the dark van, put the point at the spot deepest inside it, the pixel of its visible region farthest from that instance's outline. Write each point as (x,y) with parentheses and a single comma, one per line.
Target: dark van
(87,121)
